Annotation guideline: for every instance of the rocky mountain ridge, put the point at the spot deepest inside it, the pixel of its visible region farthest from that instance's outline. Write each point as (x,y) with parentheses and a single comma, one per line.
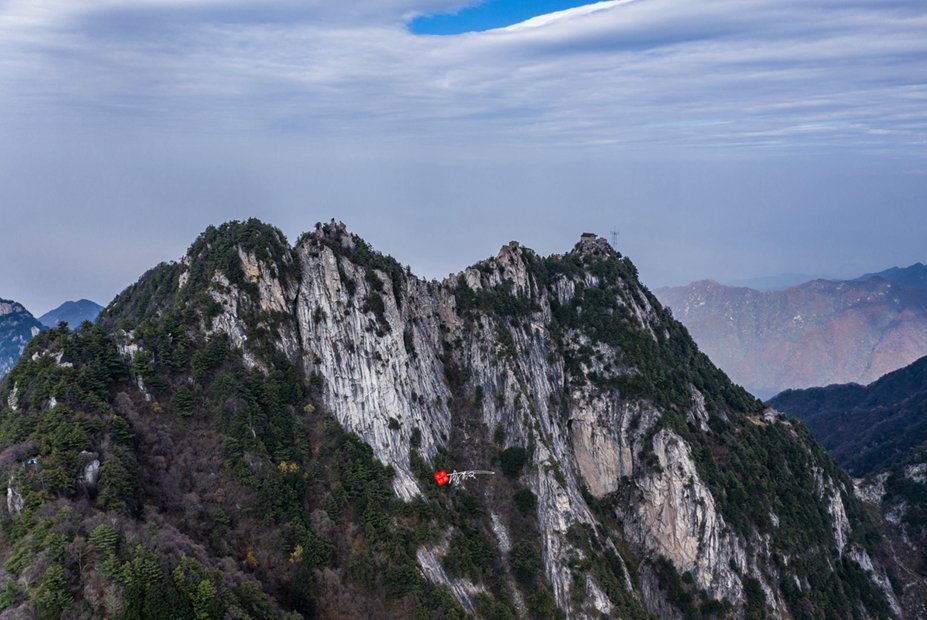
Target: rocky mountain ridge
(913,276)
(632,476)
(17,328)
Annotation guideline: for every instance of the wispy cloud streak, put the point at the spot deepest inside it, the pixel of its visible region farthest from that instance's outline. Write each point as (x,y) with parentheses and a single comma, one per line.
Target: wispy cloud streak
(650,72)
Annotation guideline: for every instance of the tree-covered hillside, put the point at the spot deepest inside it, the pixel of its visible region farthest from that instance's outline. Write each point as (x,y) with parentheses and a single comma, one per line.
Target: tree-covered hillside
(252,433)
(867,428)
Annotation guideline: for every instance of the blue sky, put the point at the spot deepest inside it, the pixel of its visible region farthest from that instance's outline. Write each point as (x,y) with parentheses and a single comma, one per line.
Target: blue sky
(724,139)
(488,15)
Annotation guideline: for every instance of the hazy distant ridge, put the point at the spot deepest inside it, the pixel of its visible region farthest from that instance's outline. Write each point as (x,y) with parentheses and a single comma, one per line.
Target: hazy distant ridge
(914,276)
(72,312)
(818,333)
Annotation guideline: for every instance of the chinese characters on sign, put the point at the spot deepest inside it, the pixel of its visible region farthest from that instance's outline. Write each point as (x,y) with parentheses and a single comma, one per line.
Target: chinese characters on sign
(457,477)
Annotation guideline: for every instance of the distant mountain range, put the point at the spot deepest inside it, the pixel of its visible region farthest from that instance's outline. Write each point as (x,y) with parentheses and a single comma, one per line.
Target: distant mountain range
(818,333)
(914,276)
(17,328)
(777,282)
(866,428)
(72,312)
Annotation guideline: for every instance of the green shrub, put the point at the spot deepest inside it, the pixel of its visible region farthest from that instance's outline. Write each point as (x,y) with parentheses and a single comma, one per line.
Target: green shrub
(498,435)
(211,357)
(52,597)
(513,460)
(184,400)
(401,579)
(8,594)
(491,609)
(755,607)
(408,341)
(525,500)
(525,561)
(478,395)
(542,606)
(469,554)
(363,570)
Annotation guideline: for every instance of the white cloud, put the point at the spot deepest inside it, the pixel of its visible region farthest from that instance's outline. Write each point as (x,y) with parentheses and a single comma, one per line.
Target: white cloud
(649,72)
(560,16)
(725,139)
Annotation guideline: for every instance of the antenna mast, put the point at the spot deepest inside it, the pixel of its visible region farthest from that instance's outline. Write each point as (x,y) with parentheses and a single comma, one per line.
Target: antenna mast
(614,235)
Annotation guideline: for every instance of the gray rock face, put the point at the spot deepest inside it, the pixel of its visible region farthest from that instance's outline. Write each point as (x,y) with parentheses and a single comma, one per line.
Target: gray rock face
(872,489)
(677,518)
(384,344)
(91,473)
(371,375)
(17,328)
(14,500)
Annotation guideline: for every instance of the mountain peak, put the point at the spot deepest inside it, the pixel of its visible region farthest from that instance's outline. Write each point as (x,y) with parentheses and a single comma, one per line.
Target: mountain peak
(72,312)
(335,231)
(8,306)
(315,390)
(593,245)
(709,283)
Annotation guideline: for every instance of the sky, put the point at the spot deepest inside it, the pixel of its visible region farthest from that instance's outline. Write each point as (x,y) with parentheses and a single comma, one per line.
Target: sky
(488,15)
(721,139)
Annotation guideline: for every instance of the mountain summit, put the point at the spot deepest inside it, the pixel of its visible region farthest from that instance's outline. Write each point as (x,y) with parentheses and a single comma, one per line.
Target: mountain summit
(254,432)
(72,312)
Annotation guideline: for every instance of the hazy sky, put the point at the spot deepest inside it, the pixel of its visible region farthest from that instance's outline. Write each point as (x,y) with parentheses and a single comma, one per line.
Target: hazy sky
(723,139)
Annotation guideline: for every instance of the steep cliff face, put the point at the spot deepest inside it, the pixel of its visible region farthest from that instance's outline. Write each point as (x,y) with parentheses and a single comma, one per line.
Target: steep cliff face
(384,343)
(900,492)
(17,328)
(376,343)
(631,475)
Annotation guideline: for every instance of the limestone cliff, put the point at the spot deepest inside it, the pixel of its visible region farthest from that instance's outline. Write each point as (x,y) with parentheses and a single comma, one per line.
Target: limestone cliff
(631,476)
(385,343)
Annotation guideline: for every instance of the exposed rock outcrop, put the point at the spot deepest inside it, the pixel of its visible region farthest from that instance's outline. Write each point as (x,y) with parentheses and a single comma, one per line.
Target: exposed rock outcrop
(384,344)
(17,328)
(632,476)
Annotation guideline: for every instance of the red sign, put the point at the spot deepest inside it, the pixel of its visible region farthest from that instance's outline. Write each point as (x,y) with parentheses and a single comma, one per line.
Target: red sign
(442,478)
